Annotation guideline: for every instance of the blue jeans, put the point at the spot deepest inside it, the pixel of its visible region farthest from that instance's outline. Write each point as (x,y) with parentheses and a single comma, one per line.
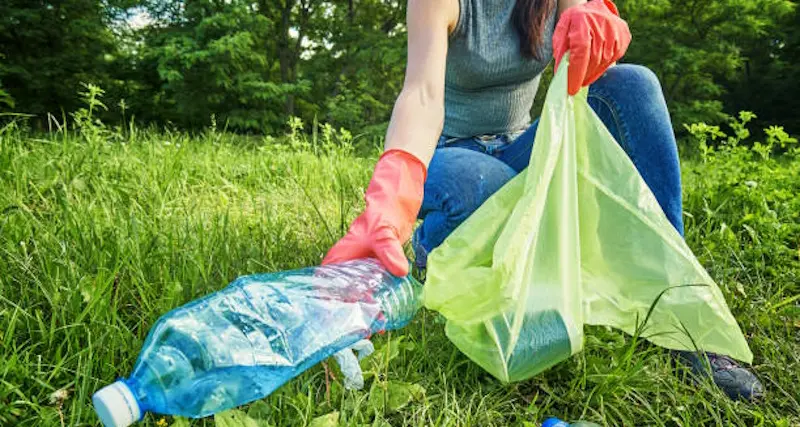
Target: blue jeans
(464,172)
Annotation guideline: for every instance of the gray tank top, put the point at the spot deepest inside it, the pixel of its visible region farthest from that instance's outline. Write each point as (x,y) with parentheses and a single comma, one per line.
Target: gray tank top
(489,85)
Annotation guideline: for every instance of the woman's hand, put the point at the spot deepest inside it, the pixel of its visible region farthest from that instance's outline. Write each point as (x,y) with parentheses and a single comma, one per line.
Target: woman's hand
(393,197)
(595,36)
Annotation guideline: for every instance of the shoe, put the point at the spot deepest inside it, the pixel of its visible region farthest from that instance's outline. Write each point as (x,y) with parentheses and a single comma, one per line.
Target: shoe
(736,381)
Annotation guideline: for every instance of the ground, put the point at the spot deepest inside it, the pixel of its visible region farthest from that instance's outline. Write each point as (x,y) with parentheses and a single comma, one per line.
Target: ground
(101,233)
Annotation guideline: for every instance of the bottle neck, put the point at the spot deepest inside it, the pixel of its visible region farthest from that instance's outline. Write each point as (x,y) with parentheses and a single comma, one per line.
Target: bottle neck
(400,302)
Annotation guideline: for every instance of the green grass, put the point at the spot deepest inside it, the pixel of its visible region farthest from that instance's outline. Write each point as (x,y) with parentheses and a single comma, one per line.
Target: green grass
(98,239)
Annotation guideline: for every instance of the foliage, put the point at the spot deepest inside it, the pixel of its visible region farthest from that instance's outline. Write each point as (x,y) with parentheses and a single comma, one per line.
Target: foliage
(213,61)
(85,117)
(254,64)
(699,49)
(744,219)
(101,235)
(6,99)
(366,50)
(770,72)
(708,137)
(49,47)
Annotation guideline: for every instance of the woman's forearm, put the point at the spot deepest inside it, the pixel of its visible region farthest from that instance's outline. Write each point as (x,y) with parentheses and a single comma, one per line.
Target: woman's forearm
(418,113)
(416,122)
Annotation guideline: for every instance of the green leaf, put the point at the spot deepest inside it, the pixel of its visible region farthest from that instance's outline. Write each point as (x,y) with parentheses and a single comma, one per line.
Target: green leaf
(259,410)
(383,354)
(235,418)
(327,420)
(392,396)
(180,422)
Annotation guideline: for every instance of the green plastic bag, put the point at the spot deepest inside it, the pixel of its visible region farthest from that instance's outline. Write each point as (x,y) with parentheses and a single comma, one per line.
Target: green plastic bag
(577,238)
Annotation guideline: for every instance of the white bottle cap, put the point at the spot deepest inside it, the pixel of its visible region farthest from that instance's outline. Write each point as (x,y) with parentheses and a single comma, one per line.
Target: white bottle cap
(116,406)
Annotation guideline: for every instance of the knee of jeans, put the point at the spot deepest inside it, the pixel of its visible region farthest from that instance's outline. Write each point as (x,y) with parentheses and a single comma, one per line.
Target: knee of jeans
(635,78)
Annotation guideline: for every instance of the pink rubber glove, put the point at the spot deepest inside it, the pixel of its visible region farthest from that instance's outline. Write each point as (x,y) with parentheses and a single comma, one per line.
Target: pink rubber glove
(393,198)
(595,36)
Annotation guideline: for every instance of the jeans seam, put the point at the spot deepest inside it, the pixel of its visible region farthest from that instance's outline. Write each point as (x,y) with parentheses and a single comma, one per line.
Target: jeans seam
(624,133)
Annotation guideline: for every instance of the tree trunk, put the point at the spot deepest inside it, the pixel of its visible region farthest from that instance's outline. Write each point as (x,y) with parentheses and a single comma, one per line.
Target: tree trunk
(284,52)
(351,11)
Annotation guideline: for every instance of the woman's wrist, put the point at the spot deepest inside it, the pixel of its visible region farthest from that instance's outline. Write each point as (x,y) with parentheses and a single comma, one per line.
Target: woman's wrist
(566,4)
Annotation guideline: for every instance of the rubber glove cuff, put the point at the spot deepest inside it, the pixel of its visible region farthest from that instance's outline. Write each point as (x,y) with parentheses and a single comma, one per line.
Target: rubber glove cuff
(393,197)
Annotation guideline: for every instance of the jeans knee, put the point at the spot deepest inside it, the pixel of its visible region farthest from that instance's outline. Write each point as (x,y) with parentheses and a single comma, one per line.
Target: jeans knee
(635,78)
(627,95)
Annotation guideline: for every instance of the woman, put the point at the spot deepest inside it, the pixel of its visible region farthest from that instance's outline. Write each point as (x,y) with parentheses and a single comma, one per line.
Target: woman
(462,121)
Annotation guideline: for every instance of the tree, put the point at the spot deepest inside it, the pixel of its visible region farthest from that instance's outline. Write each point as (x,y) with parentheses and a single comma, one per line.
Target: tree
(768,85)
(696,47)
(362,60)
(251,64)
(211,58)
(289,16)
(49,48)
(254,64)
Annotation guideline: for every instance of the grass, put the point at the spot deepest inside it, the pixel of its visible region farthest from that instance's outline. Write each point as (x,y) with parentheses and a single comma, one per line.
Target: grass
(102,232)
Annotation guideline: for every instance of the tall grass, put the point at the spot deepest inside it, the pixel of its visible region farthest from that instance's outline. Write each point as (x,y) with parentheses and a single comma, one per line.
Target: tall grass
(103,230)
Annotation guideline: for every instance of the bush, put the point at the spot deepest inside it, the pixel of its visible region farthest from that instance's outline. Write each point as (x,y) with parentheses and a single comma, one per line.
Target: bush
(743,210)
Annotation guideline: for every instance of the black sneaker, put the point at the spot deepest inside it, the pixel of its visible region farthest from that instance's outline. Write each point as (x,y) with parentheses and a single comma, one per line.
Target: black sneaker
(737,382)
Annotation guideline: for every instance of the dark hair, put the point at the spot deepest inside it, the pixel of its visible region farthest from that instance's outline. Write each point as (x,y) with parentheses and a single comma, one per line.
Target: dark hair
(529,18)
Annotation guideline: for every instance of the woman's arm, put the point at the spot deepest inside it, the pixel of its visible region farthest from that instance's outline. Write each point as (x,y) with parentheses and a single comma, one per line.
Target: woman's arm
(566,4)
(395,192)
(418,114)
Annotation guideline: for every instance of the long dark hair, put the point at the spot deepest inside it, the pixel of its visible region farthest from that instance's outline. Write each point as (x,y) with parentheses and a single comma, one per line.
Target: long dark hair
(529,18)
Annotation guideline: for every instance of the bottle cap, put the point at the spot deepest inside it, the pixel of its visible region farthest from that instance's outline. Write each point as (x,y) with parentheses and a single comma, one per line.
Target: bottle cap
(116,406)
(554,422)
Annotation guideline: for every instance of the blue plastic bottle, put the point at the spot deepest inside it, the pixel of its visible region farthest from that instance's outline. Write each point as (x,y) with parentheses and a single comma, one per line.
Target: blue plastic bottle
(243,342)
(555,422)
